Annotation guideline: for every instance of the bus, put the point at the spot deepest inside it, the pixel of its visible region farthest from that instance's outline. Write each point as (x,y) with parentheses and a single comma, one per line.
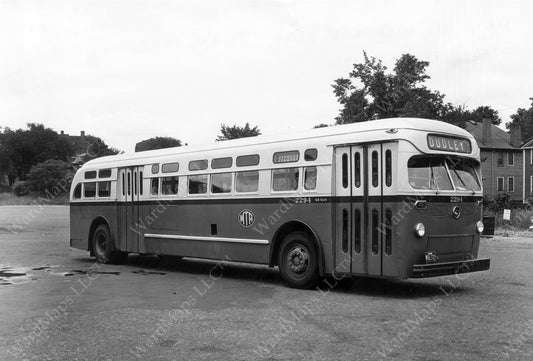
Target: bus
(395,198)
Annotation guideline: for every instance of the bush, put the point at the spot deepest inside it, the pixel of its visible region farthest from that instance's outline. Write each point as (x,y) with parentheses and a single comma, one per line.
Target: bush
(52,175)
(497,204)
(21,188)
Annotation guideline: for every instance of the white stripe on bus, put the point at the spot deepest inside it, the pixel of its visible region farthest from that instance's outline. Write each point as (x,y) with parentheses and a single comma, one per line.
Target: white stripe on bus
(207,239)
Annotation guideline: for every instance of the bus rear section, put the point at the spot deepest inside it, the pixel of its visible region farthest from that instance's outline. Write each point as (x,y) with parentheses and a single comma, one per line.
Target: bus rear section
(401,213)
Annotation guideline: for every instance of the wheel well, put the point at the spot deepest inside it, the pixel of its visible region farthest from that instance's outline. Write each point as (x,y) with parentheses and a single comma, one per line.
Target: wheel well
(96,222)
(295,226)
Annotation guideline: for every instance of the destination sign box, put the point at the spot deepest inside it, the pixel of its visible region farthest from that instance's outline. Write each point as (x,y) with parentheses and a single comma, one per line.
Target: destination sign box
(449,144)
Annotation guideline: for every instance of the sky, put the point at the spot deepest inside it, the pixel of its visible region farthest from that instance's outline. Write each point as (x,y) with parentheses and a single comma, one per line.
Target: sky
(128,70)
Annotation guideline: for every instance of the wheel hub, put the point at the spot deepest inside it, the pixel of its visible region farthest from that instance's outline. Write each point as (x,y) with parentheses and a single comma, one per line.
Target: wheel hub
(298,259)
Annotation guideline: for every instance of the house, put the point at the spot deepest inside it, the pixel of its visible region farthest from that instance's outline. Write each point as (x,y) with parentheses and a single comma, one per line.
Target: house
(527,149)
(502,160)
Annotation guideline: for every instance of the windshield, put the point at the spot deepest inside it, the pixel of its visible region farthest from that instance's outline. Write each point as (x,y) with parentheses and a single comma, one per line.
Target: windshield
(433,173)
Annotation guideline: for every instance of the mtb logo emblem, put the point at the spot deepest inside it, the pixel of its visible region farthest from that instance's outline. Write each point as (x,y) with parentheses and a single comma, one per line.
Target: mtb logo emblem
(246,218)
(456,212)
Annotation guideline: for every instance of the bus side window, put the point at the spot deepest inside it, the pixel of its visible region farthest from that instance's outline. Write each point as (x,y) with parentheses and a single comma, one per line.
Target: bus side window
(345,170)
(89,190)
(123,185)
(221,183)
(247,181)
(169,185)
(141,180)
(388,168)
(77,191)
(104,189)
(310,178)
(285,179)
(129,183)
(155,186)
(198,184)
(375,173)
(357,171)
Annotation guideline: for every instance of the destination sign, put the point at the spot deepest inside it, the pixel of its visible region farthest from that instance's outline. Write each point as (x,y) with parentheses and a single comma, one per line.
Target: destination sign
(449,144)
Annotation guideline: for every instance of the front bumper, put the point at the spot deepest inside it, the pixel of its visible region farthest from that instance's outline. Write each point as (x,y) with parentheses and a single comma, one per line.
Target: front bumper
(450,268)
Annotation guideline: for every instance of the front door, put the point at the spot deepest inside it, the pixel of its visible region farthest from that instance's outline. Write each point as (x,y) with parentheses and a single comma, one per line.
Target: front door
(130,180)
(364,176)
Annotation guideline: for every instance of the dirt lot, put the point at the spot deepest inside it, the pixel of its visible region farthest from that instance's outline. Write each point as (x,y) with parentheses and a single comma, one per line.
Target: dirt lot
(57,304)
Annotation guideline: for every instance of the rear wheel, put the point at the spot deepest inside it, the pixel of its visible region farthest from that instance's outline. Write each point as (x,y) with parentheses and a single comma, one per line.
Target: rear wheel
(298,260)
(102,246)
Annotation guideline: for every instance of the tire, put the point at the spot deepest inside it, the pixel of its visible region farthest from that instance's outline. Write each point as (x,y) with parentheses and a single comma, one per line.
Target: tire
(102,246)
(298,260)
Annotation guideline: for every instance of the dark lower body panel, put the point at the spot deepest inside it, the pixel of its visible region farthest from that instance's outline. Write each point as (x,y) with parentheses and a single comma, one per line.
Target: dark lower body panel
(450,268)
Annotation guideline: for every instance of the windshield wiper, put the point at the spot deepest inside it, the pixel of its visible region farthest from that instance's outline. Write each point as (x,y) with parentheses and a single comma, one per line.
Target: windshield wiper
(462,181)
(434,180)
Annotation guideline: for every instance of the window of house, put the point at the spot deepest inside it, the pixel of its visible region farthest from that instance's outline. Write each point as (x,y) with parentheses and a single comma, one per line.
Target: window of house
(221,183)
(89,190)
(285,179)
(500,187)
(510,158)
(310,174)
(510,184)
(247,181)
(169,185)
(500,159)
(197,184)
(104,189)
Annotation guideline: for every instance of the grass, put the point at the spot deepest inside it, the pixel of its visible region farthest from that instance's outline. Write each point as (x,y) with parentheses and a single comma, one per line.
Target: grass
(9,199)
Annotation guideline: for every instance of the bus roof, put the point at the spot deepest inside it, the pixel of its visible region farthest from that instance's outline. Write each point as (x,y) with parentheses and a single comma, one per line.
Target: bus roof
(339,131)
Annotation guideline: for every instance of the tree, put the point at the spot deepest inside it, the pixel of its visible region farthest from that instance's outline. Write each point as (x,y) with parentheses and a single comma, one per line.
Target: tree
(157,143)
(52,176)
(524,118)
(21,149)
(371,93)
(97,148)
(234,132)
(459,115)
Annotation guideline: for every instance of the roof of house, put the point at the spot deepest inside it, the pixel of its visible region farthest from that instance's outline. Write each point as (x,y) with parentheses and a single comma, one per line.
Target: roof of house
(500,138)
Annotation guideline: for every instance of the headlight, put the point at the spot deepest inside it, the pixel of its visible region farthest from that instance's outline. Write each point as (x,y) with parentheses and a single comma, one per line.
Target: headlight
(480,227)
(420,230)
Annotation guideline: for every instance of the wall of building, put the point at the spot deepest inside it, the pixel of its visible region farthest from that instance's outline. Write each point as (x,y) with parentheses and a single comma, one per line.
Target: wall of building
(491,171)
(528,173)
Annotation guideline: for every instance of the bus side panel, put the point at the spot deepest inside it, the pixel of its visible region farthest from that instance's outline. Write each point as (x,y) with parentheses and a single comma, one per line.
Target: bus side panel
(76,240)
(87,213)
(222,220)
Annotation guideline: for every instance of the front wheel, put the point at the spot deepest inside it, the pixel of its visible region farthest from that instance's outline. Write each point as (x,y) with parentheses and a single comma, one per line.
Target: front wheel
(298,260)
(102,246)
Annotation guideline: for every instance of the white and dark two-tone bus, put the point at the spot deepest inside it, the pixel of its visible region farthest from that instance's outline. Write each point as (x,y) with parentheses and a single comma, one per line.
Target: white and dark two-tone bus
(398,198)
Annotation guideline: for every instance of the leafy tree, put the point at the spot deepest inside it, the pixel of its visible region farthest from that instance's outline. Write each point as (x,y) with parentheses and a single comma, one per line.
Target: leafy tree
(21,149)
(157,143)
(234,132)
(523,117)
(371,93)
(52,176)
(96,148)
(485,112)
(458,115)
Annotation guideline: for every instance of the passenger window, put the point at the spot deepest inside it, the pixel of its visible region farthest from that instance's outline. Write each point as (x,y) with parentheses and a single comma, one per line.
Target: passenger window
(155,168)
(155,186)
(375,172)
(104,189)
(168,167)
(104,173)
(89,190)
(90,174)
(198,165)
(218,163)
(129,183)
(77,191)
(247,181)
(198,184)
(388,168)
(286,157)
(221,183)
(345,170)
(123,185)
(357,170)
(310,178)
(310,154)
(169,185)
(285,179)
(247,160)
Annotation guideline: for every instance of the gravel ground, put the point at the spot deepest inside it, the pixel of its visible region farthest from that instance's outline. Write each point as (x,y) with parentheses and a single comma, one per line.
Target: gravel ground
(57,304)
